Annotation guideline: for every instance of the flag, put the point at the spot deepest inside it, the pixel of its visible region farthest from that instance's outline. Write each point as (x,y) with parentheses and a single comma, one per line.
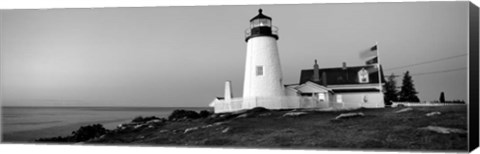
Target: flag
(372,61)
(372,52)
(372,69)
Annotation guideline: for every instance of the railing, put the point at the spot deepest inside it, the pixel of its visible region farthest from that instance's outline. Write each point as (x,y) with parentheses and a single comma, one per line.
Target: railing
(248,31)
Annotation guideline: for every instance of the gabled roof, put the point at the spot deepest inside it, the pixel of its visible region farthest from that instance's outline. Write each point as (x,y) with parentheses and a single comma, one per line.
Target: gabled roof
(342,76)
(312,85)
(308,87)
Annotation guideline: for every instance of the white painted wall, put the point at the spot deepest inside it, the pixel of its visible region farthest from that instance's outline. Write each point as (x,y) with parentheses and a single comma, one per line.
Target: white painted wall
(283,102)
(349,101)
(228,91)
(262,51)
(356,100)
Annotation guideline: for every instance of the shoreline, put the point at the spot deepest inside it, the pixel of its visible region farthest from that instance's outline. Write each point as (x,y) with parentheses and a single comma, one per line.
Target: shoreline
(400,128)
(375,129)
(30,135)
(109,119)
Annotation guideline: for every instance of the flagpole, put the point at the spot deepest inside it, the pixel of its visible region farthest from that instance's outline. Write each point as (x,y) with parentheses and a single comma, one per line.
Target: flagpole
(378,64)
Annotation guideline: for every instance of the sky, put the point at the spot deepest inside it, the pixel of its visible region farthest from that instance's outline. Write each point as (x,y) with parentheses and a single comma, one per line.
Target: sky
(181,56)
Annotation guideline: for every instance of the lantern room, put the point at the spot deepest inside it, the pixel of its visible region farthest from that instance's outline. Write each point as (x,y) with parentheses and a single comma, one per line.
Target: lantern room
(260,20)
(261,25)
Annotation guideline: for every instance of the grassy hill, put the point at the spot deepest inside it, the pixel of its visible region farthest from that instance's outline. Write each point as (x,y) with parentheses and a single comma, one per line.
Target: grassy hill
(379,129)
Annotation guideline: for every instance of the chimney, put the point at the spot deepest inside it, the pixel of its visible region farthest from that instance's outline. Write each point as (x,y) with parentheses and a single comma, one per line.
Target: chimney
(324,79)
(228,91)
(316,75)
(344,65)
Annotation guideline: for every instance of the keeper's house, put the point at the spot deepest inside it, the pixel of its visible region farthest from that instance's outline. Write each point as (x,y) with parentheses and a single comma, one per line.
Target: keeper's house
(341,87)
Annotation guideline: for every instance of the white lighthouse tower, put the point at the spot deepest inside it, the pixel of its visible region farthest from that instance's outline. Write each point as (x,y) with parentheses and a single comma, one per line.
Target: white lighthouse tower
(263,74)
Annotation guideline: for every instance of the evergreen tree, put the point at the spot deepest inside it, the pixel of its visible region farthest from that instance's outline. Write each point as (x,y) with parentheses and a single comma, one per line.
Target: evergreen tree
(408,92)
(390,93)
(442,97)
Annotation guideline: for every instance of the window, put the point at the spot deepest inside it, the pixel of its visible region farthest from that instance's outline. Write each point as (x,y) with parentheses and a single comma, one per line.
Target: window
(365,99)
(260,22)
(339,99)
(265,22)
(321,97)
(306,94)
(254,23)
(364,80)
(259,70)
(363,76)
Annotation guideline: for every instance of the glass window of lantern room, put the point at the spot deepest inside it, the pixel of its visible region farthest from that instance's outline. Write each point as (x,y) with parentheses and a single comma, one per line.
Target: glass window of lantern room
(254,23)
(260,22)
(265,22)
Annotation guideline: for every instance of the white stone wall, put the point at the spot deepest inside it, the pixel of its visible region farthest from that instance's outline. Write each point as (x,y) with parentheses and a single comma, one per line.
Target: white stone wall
(220,106)
(262,51)
(284,102)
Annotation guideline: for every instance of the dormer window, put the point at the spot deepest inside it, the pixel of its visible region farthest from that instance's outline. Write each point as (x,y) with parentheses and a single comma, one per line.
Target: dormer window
(363,76)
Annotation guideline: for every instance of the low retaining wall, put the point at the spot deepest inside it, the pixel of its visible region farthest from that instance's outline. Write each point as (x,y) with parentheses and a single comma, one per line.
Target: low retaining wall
(395,104)
(286,102)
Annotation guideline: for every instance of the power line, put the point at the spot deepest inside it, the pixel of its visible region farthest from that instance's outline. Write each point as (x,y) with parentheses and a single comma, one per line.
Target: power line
(392,75)
(425,62)
(426,73)
(435,72)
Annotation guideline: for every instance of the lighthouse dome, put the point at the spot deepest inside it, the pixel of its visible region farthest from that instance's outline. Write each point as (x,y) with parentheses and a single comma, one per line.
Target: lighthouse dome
(260,20)
(260,16)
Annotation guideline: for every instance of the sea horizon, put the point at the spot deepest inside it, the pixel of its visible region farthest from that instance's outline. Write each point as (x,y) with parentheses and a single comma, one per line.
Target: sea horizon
(27,123)
(9,106)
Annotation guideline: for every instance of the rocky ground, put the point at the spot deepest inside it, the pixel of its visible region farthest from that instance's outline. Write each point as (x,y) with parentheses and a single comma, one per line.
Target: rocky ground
(416,128)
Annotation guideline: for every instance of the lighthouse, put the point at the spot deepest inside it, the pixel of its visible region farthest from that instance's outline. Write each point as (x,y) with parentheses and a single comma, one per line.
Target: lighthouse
(263,74)
(318,87)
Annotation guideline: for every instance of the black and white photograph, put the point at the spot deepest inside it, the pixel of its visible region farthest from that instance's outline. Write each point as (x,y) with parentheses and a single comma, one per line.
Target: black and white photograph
(377,76)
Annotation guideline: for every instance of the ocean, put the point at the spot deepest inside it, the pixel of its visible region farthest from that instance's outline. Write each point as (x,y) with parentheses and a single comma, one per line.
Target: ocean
(25,124)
